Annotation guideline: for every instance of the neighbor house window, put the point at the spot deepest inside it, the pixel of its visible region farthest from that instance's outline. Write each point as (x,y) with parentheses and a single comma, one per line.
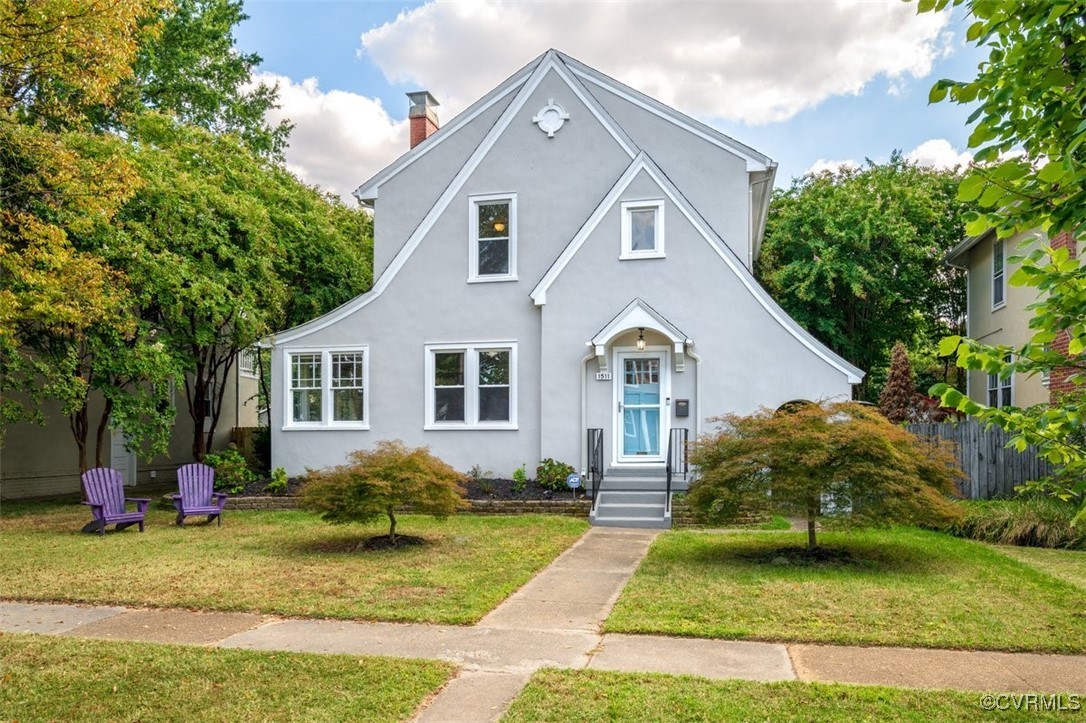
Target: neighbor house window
(471,385)
(642,230)
(999,288)
(1000,390)
(248,361)
(327,387)
(493,238)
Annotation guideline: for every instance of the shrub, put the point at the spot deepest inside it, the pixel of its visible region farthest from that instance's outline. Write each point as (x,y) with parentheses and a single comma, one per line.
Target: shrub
(1028,521)
(375,482)
(277,485)
(520,479)
(232,471)
(809,458)
(551,474)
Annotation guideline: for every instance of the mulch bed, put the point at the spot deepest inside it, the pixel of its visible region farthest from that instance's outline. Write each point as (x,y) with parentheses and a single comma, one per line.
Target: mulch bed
(482,489)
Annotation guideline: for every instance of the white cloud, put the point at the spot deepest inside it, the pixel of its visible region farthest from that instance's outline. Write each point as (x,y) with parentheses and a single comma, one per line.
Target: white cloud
(832,166)
(754,62)
(339,139)
(939,153)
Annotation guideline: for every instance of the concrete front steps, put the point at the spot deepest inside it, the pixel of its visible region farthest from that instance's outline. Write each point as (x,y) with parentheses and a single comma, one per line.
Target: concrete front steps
(632,498)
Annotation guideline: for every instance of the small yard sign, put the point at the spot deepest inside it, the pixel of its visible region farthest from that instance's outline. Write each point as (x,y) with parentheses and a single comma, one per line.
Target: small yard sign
(573,481)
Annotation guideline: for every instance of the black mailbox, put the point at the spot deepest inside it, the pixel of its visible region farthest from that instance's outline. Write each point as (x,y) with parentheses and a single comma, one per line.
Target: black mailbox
(682,407)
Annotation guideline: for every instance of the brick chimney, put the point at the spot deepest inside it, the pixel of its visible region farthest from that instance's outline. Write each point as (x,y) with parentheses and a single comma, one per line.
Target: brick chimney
(1058,383)
(422,116)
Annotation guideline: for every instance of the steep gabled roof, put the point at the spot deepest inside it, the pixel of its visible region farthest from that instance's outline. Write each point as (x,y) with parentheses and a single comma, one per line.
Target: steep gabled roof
(642,163)
(755,161)
(547,62)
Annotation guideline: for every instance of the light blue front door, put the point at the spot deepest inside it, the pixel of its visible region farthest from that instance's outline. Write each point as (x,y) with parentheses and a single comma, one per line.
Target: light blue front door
(641,388)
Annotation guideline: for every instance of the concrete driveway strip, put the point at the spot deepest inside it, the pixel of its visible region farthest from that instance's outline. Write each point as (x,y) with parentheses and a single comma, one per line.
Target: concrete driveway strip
(50,619)
(937,669)
(692,656)
(475,648)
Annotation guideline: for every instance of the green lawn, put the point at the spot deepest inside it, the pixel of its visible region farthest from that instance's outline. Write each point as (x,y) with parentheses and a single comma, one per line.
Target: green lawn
(287,563)
(903,587)
(1069,565)
(594,695)
(64,679)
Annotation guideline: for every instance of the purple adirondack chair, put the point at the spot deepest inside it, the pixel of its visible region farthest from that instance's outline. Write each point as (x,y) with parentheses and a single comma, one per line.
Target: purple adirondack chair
(196,493)
(104,490)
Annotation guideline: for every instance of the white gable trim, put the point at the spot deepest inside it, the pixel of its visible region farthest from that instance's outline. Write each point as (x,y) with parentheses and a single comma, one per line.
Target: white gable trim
(643,163)
(639,315)
(550,61)
(755,160)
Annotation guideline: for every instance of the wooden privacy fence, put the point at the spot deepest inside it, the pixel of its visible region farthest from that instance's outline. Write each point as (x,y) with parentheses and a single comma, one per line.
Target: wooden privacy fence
(991,468)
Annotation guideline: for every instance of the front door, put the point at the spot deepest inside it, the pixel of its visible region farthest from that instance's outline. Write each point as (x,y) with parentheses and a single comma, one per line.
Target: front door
(642,407)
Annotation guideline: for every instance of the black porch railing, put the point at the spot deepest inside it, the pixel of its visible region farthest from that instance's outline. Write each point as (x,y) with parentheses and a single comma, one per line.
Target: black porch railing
(595,461)
(676,459)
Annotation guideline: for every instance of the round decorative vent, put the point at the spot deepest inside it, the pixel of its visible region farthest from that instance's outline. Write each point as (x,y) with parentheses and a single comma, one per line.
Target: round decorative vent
(551,118)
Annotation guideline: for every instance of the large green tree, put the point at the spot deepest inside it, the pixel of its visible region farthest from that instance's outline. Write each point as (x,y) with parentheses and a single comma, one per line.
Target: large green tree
(855,256)
(1030,173)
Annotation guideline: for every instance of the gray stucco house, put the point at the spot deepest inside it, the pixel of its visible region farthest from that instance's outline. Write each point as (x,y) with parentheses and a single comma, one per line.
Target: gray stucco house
(564,270)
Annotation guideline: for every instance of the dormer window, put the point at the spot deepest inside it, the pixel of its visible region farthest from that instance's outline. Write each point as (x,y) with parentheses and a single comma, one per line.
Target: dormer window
(642,230)
(493,238)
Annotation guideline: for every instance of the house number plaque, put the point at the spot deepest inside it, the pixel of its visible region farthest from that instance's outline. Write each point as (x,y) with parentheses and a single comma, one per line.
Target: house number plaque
(603,376)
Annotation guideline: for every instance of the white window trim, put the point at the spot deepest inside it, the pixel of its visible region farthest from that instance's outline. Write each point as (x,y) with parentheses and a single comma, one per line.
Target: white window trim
(1002,274)
(473,237)
(471,385)
(326,388)
(627,253)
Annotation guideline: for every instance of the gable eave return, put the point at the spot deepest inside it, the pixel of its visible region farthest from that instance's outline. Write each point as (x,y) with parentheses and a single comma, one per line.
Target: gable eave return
(639,315)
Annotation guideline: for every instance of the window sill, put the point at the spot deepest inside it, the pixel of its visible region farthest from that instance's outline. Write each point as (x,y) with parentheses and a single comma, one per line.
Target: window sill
(490,279)
(463,427)
(636,257)
(1000,305)
(336,427)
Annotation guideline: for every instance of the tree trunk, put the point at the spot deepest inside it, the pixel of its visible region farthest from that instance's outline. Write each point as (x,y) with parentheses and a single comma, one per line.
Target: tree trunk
(78,423)
(100,435)
(812,515)
(391,526)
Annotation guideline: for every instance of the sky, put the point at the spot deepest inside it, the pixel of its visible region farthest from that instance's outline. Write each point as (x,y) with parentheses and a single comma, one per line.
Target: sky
(813,84)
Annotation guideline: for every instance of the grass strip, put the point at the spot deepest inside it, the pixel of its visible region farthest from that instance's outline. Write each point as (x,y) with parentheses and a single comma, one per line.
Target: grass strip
(592,695)
(50,678)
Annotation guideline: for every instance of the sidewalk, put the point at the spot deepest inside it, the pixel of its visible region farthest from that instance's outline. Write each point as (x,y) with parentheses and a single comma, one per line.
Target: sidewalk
(553,621)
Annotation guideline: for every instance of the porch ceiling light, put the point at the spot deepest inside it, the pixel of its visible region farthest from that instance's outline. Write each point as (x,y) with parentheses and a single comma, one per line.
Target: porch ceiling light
(641,338)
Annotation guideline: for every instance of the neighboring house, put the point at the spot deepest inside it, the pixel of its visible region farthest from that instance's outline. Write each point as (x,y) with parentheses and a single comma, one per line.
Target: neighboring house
(564,271)
(36,460)
(996,314)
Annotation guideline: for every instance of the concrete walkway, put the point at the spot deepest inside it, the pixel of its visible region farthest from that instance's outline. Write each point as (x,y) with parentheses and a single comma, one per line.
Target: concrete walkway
(554,621)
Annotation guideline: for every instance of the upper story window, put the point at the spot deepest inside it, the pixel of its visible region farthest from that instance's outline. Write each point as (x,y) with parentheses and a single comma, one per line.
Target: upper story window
(493,238)
(327,388)
(249,361)
(1000,390)
(999,287)
(471,385)
(642,230)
